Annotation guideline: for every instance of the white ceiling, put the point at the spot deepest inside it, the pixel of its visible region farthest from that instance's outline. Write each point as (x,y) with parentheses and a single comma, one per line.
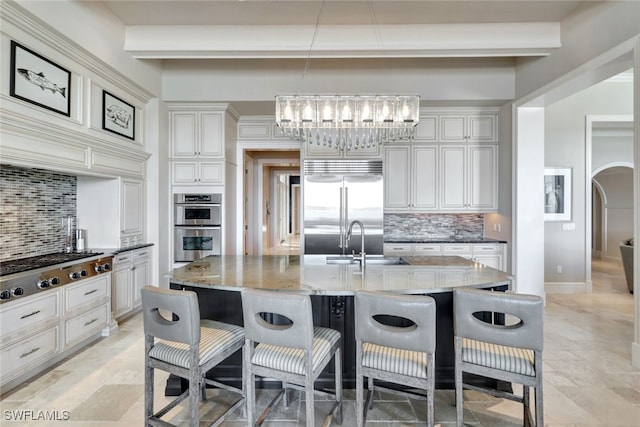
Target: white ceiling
(221,29)
(337,12)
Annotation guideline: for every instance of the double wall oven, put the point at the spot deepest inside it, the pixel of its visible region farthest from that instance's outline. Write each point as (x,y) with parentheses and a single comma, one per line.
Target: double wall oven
(197,229)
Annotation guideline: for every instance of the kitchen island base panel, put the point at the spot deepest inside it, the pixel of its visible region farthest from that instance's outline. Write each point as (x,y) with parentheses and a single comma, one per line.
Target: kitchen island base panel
(336,312)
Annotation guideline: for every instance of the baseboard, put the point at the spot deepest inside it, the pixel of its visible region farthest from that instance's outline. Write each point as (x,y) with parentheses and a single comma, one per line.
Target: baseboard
(565,287)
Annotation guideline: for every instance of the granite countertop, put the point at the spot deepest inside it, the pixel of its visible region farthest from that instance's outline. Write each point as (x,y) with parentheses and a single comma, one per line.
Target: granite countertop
(116,251)
(311,274)
(443,240)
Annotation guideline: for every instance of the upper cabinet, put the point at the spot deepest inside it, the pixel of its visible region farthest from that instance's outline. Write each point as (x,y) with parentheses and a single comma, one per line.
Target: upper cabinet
(469,178)
(411,178)
(468,128)
(197,134)
(433,174)
(202,138)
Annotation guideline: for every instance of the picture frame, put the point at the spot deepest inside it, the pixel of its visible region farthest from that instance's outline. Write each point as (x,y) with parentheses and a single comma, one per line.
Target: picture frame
(557,194)
(118,116)
(39,81)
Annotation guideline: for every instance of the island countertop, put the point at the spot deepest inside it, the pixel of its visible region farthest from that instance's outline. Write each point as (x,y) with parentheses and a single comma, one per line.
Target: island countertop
(311,274)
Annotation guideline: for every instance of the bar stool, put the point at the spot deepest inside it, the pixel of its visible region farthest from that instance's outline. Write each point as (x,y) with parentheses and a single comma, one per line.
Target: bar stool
(510,352)
(187,347)
(293,351)
(402,355)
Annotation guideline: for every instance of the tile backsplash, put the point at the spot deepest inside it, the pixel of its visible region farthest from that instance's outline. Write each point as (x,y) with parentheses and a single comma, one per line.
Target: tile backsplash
(421,226)
(33,203)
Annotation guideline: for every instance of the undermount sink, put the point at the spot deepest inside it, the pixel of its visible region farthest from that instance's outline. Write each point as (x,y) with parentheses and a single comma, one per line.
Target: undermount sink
(370,260)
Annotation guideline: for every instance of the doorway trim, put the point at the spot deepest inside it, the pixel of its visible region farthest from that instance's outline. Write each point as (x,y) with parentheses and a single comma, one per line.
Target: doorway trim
(590,121)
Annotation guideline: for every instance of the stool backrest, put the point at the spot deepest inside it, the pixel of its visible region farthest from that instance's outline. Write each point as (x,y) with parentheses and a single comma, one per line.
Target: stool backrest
(295,307)
(528,333)
(421,310)
(183,304)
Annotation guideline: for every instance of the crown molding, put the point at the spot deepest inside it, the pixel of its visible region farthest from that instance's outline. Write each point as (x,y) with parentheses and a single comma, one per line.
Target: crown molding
(14,14)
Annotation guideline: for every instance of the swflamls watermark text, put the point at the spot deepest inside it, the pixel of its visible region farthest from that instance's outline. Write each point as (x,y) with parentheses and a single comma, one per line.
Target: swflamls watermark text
(32,415)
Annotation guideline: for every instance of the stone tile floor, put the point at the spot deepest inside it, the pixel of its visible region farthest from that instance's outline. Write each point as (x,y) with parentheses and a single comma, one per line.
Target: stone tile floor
(588,377)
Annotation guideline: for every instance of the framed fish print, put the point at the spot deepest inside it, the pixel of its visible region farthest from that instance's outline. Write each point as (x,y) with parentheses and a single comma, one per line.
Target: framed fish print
(38,80)
(118,116)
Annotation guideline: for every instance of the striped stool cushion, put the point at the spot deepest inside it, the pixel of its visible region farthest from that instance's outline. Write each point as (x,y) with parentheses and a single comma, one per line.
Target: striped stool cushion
(292,359)
(215,337)
(510,359)
(395,360)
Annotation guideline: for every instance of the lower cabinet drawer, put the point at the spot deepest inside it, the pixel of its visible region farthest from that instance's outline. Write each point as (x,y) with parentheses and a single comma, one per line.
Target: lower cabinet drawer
(427,249)
(487,249)
(86,293)
(23,316)
(84,325)
(27,353)
(456,249)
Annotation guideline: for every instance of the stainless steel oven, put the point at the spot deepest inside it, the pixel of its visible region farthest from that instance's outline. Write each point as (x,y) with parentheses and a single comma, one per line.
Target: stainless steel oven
(193,243)
(197,226)
(197,209)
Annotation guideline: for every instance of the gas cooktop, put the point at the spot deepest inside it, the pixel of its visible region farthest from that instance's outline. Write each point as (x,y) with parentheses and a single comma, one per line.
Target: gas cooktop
(25,264)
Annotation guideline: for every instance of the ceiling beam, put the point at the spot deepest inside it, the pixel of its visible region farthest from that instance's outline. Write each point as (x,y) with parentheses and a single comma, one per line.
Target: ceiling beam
(342,41)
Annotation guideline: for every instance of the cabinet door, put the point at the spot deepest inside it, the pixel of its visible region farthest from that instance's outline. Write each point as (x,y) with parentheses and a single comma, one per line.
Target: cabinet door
(453,176)
(424,174)
(453,128)
(211,173)
(211,135)
(185,172)
(482,128)
(493,261)
(140,280)
(132,207)
(121,291)
(396,177)
(183,134)
(427,129)
(482,179)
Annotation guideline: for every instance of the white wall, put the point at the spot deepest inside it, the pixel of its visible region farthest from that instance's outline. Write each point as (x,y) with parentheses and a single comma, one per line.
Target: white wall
(261,80)
(565,147)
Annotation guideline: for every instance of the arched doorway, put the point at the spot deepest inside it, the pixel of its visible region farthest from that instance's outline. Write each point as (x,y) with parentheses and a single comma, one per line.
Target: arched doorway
(612,209)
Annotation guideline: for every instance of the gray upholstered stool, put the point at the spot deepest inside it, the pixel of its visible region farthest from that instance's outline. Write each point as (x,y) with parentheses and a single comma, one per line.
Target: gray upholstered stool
(187,347)
(294,352)
(401,355)
(509,353)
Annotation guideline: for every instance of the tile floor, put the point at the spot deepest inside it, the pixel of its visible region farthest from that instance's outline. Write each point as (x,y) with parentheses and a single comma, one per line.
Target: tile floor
(589,380)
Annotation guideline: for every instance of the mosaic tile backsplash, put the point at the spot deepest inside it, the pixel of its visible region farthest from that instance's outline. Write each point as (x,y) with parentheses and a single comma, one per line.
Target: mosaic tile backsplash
(420,227)
(33,203)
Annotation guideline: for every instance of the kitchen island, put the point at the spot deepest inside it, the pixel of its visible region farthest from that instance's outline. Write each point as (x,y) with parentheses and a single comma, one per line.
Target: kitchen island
(331,282)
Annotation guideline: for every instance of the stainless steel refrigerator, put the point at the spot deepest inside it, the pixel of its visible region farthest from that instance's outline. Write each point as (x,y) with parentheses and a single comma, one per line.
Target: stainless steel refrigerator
(335,193)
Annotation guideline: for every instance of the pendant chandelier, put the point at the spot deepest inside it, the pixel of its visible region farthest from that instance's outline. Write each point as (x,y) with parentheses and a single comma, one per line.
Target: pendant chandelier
(348,122)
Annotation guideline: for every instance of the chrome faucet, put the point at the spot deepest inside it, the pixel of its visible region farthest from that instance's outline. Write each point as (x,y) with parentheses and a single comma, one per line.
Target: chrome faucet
(362,258)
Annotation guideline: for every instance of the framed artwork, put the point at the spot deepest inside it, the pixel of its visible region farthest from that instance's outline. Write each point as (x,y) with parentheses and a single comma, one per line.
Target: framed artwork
(557,194)
(118,116)
(39,81)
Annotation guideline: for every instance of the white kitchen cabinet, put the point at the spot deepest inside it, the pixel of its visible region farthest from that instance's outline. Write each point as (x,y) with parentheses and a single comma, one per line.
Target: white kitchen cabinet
(131,272)
(468,128)
(469,178)
(427,129)
(132,209)
(111,210)
(85,309)
(198,173)
(411,177)
(196,134)
(492,255)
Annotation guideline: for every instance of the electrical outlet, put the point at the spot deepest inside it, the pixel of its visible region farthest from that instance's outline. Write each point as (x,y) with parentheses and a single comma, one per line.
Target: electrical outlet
(559,269)
(498,228)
